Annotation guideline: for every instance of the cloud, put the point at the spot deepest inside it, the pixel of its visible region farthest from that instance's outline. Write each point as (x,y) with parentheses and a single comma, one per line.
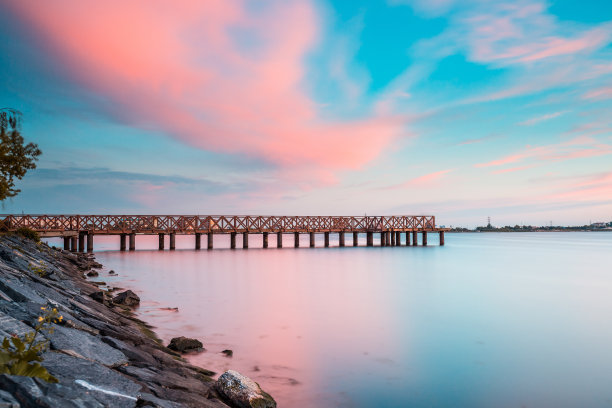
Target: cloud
(599,94)
(224,76)
(538,119)
(580,147)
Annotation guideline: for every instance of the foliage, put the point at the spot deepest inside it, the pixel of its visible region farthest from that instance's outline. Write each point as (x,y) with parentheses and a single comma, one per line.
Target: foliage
(16,157)
(39,270)
(23,356)
(28,233)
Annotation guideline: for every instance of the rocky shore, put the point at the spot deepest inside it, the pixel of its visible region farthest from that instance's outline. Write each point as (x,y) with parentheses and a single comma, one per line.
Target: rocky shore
(101,355)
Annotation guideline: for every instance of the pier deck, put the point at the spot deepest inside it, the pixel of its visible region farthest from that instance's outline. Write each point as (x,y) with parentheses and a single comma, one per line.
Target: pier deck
(78,229)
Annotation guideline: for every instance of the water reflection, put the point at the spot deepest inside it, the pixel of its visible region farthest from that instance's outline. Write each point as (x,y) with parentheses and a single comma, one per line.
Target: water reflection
(489,320)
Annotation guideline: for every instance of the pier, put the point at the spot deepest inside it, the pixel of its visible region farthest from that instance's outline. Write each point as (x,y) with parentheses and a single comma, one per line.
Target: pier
(78,231)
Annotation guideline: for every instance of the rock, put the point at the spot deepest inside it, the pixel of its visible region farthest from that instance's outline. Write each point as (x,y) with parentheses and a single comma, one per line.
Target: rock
(243,392)
(184,344)
(80,343)
(8,401)
(98,296)
(112,272)
(127,298)
(228,353)
(92,274)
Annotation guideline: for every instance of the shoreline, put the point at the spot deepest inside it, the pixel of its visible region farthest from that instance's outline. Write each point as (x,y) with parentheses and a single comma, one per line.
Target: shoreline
(101,353)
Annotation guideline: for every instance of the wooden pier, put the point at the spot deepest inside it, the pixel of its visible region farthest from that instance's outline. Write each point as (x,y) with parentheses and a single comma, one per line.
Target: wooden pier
(78,231)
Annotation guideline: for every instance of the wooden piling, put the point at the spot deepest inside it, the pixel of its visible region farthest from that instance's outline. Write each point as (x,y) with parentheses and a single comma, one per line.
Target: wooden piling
(296,239)
(161,241)
(392,233)
(66,243)
(326,239)
(90,239)
(441,238)
(82,241)
(383,237)
(407,238)
(232,240)
(122,242)
(424,238)
(279,239)
(198,241)
(398,238)
(369,238)
(73,243)
(312,239)
(415,238)
(341,238)
(210,240)
(245,240)
(132,242)
(172,241)
(355,238)
(265,239)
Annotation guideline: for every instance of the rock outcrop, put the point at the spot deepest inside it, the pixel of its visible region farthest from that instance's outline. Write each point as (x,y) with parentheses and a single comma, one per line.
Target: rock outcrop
(100,353)
(127,298)
(241,391)
(185,344)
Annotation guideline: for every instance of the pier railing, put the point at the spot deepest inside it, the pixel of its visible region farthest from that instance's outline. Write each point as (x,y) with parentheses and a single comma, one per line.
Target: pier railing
(191,224)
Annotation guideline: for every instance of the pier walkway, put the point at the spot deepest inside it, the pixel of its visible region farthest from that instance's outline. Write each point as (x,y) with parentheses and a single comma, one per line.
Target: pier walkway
(78,231)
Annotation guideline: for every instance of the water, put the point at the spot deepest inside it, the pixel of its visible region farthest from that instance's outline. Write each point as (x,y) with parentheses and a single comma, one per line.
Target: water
(489,320)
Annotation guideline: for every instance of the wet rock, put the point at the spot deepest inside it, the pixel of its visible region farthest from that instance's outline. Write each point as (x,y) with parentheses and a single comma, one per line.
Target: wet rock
(8,401)
(99,296)
(184,344)
(243,392)
(80,343)
(92,274)
(127,298)
(112,272)
(228,353)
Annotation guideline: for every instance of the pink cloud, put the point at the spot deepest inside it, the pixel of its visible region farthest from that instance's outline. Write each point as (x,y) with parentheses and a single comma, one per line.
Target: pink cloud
(513,169)
(538,119)
(580,147)
(601,93)
(184,68)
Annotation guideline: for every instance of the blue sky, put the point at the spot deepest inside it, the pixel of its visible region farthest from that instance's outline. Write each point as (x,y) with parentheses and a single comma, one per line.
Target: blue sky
(462,109)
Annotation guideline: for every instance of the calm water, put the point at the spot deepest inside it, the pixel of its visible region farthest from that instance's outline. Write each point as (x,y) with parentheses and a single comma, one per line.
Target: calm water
(489,320)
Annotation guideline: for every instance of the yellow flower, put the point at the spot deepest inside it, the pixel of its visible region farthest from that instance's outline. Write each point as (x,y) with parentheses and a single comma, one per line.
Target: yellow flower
(60,318)
(43,308)
(40,319)
(54,310)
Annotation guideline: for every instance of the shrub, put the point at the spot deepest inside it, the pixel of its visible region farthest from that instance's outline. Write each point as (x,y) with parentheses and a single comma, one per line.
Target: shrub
(28,233)
(23,356)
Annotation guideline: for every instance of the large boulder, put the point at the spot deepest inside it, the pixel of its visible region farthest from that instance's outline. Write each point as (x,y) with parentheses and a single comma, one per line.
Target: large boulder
(127,298)
(242,392)
(185,344)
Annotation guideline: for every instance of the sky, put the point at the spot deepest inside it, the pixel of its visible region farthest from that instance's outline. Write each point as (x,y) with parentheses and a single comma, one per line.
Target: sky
(459,109)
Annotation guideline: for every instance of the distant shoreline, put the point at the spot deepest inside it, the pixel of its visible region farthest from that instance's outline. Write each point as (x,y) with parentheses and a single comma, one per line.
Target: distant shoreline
(533,230)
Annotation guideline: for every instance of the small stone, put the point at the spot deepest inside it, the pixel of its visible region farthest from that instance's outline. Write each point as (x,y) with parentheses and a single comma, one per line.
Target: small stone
(127,298)
(228,353)
(243,392)
(98,296)
(184,344)
(112,272)
(92,274)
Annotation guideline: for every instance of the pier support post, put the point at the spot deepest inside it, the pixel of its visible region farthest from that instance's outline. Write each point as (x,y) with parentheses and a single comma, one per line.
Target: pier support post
(172,241)
(424,238)
(161,243)
(296,239)
(341,238)
(232,240)
(355,238)
(312,239)
(210,240)
(122,242)
(245,240)
(132,242)
(398,238)
(73,243)
(369,238)
(66,243)
(198,241)
(441,238)
(392,233)
(383,237)
(82,241)
(388,238)
(326,239)
(90,241)
(265,239)
(415,238)
(407,238)
(279,239)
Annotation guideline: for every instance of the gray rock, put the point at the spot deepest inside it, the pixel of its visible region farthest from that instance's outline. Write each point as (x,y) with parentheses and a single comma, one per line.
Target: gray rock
(79,343)
(127,298)
(184,344)
(92,274)
(8,401)
(243,392)
(108,386)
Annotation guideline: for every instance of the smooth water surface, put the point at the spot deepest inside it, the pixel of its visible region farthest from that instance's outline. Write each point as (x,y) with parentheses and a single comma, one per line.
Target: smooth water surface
(489,320)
